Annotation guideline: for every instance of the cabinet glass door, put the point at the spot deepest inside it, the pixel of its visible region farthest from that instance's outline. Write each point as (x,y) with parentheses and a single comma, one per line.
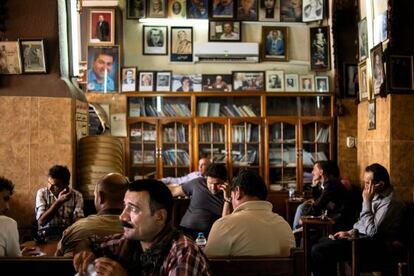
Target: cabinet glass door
(245,147)
(143,150)
(175,149)
(282,155)
(316,147)
(212,142)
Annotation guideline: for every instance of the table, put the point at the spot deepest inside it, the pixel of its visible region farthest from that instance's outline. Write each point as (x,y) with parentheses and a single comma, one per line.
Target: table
(309,222)
(45,249)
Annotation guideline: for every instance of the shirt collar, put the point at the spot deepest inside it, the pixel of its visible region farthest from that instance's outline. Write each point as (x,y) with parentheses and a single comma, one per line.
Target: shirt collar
(254,205)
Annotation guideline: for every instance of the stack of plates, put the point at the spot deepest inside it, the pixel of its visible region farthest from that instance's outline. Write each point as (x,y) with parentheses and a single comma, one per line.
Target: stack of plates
(98,156)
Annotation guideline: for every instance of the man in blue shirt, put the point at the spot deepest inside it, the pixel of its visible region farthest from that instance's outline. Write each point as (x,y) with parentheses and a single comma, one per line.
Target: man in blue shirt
(224,8)
(275,43)
(102,69)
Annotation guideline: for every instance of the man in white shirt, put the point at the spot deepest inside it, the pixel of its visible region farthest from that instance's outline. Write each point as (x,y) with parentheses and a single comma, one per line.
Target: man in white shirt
(203,163)
(9,236)
(252,229)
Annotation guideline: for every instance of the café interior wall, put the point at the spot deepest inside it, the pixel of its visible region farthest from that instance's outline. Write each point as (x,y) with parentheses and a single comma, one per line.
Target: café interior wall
(36,126)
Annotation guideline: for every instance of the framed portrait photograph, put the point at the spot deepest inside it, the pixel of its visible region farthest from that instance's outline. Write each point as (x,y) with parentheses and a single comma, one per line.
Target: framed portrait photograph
(274,43)
(102,26)
(247,10)
(400,73)
(319,50)
(372,121)
(380,27)
(307,83)
(181,44)
(248,80)
(224,31)
(269,10)
(197,9)
(364,88)
(163,81)
(222,9)
(155,40)
(186,83)
(351,80)
(176,9)
(217,82)
(322,83)
(292,82)
(363,39)
(275,81)
(377,68)
(10,61)
(128,79)
(33,55)
(135,9)
(312,10)
(156,8)
(291,10)
(103,69)
(146,81)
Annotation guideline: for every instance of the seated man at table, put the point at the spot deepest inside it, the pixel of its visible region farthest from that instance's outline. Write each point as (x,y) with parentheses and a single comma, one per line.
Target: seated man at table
(203,163)
(149,244)
(57,205)
(252,229)
(332,197)
(381,219)
(206,203)
(109,200)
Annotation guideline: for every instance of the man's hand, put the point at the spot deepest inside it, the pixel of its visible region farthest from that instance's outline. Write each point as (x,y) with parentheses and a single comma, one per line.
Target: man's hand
(368,192)
(342,235)
(225,187)
(64,195)
(81,261)
(108,267)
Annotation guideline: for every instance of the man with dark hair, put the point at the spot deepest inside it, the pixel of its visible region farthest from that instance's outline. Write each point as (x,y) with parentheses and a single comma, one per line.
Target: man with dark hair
(380,219)
(102,29)
(57,205)
(206,204)
(109,199)
(252,229)
(149,245)
(328,195)
(9,236)
(155,38)
(99,76)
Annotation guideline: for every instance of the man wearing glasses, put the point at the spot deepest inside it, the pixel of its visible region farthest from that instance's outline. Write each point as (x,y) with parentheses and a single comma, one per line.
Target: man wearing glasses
(207,200)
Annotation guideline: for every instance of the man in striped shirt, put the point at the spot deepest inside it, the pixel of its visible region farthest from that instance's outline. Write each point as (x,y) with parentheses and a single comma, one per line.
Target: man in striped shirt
(149,245)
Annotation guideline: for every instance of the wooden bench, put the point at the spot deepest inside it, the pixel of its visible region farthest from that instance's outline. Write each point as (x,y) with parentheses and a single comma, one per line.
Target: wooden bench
(259,266)
(37,266)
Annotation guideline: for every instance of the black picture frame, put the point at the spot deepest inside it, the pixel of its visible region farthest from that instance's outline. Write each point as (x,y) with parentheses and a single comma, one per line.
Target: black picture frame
(217,82)
(219,11)
(268,12)
(275,46)
(181,44)
(249,80)
(247,10)
(350,80)
(163,81)
(224,30)
(197,10)
(400,73)
(136,9)
(33,57)
(155,40)
(319,48)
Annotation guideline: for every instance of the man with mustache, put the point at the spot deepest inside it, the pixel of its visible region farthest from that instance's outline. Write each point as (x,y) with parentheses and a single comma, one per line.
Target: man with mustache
(149,244)
(100,76)
(57,205)
(109,196)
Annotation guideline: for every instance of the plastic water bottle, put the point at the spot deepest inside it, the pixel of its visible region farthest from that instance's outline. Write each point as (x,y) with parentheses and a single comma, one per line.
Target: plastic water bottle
(201,240)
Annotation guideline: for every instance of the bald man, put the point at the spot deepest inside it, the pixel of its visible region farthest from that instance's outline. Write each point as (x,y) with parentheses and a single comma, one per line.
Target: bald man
(203,163)
(109,197)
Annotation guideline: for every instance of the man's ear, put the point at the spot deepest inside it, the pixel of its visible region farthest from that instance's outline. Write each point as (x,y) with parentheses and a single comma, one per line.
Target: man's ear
(161,216)
(238,193)
(101,197)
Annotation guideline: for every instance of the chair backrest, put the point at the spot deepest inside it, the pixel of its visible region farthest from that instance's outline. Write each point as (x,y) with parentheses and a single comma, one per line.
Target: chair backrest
(252,265)
(37,266)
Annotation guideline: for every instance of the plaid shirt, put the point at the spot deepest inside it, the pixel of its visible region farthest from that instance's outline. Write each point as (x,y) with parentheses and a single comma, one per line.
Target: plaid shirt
(175,253)
(70,210)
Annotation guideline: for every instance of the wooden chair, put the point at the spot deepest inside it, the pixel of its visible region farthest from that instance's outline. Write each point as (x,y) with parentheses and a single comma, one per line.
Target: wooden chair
(36,266)
(259,266)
